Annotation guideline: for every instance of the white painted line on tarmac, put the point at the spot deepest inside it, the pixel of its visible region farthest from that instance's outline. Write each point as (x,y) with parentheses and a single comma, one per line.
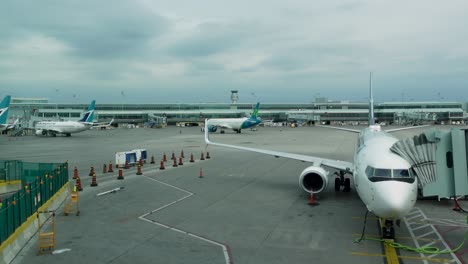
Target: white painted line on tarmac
(226,251)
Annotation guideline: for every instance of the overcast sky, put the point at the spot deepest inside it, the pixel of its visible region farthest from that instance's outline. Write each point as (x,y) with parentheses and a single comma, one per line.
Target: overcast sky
(197,51)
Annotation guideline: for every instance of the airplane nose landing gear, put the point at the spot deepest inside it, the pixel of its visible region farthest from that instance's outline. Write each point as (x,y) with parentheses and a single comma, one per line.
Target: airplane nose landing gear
(388,232)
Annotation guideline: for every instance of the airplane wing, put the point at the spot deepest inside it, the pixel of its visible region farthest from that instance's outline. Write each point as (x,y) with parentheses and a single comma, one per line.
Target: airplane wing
(404,128)
(103,123)
(341,128)
(335,164)
(56,131)
(223,125)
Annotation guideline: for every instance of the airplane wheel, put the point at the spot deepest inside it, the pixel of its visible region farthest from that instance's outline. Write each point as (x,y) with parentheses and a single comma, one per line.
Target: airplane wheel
(347,185)
(337,184)
(68,135)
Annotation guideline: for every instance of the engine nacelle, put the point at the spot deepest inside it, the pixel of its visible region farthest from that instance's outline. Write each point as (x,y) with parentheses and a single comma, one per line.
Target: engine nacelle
(212,128)
(314,179)
(39,132)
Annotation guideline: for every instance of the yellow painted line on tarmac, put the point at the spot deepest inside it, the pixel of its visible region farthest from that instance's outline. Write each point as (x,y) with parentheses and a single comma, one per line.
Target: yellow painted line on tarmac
(5,183)
(400,238)
(390,253)
(365,254)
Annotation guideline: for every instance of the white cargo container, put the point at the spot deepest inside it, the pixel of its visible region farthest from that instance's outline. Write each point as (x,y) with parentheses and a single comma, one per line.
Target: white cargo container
(121,157)
(141,153)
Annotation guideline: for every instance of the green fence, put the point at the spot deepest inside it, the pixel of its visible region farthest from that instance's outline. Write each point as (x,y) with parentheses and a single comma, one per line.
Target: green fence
(40,182)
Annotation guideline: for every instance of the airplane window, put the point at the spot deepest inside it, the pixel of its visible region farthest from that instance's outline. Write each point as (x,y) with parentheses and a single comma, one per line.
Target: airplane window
(383,173)
(400,173)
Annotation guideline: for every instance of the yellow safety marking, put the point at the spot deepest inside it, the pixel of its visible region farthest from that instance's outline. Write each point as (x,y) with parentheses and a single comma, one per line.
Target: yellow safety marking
(365,254)
(390,253)
(31,219)
(400,238)
(5,183)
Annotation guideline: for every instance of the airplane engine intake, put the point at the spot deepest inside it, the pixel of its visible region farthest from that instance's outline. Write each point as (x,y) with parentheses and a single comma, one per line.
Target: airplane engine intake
(212,128)
(39,132)
(313,179)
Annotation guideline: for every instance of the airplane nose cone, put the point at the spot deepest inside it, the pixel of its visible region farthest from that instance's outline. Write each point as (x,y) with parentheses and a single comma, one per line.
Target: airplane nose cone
(394,202)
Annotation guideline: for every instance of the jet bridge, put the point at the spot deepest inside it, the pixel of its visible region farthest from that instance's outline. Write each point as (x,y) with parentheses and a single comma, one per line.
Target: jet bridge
(439,159)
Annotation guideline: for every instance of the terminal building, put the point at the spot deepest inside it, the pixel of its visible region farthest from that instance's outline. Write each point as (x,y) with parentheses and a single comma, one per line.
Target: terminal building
(31,110)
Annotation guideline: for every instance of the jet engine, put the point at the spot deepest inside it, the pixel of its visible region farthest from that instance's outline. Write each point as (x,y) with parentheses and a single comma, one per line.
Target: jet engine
(39,132)
(212,128)
(314,179)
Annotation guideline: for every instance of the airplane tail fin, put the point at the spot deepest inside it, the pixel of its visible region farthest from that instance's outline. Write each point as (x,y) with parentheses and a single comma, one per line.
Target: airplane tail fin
(255,112)
(89,115)
(4,107)
(371,103)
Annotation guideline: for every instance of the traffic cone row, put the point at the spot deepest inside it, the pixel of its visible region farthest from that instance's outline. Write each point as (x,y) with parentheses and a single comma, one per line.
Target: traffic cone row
(91,172)
(78,184)
(75,173)
(93,181)
(120,177)
(110,167)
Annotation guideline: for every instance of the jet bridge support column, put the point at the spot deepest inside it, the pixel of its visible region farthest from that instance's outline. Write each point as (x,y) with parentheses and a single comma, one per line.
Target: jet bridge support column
(451,164)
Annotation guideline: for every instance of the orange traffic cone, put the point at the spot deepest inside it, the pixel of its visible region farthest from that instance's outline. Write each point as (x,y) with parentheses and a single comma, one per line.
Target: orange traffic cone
(93,181)
(75,173)
(173,156)
(191,157)
(175,163)
(161,167)
(120,177)
(164,157)
(152,159)
(180,161)
(140,162)
(312,200)
(139,170)
(91,172)
(78,184)
(201,173)
(126,165)
(208,155)
(202,156)
(104,168)
(457,206)
(182,153)
(110,167)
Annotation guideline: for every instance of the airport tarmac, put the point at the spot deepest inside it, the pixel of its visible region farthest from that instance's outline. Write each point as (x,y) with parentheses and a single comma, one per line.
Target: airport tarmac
(247,208)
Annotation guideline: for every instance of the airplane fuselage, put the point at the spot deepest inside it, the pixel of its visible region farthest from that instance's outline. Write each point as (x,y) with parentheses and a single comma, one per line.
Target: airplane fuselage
(235,123)
(62,127)
(383,180)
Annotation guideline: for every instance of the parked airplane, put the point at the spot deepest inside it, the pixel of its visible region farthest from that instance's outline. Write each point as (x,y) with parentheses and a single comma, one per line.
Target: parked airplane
(4,109)
(384,181)
(236,124)
(53,128)
(103,126)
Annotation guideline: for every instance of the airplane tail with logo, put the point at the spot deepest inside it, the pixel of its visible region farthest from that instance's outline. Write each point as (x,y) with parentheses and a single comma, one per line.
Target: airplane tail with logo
(371,103)
(4,107)
(88,117)
(255,112)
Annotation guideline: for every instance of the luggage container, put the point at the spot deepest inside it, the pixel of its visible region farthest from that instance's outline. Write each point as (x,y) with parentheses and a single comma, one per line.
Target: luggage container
(141,153)
(121,157)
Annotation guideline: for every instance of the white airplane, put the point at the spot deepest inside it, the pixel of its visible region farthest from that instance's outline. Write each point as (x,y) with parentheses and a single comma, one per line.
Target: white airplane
(53,128)
(4,109)
(236,124)
(103,126)
(384,181)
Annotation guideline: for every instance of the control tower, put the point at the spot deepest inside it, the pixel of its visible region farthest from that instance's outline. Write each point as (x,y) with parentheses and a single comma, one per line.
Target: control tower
(234,97)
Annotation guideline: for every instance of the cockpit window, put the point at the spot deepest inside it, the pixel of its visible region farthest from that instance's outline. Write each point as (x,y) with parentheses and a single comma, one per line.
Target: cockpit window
(380,174)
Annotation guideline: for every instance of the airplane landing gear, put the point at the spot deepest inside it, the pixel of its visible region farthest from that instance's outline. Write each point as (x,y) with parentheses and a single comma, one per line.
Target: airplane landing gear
(68,135)
(388,232)
(340,180)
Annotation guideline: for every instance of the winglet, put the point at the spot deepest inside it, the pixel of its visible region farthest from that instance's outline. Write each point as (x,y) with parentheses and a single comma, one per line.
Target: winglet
(207,139)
